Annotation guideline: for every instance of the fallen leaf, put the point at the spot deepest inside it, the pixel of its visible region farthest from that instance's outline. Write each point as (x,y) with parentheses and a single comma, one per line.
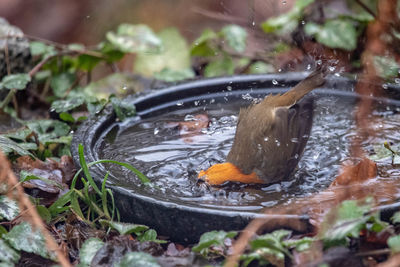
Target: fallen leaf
(360,172)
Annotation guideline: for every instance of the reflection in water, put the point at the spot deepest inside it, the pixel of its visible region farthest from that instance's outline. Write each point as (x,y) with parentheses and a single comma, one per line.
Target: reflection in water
(173,162)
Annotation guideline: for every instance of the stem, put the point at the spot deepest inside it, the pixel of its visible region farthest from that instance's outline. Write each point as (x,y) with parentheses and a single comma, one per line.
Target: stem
(366,8)
(8,98)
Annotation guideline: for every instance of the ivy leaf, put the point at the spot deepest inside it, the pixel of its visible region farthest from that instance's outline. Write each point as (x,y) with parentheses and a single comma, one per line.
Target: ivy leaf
(41,49)
(272,240)
(224,66)
(213,238)
(8,146)
(122,108)
(394,243)
(137,259)
(236,37)
(60,83)
(396,217)
(134,38)
(169,75)
(8,208)
(125,228)
(260,67)
(23,237)
(48,129)
(16,81)
(386,67)
(87,62)
(7,254)
(335,33)
(150,235)
(67,105)
(174,56)
(88,250)
(201,46)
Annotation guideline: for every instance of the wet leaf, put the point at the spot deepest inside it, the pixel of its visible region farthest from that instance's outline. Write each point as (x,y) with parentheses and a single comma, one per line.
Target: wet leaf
(8,208)
(61,83)
(213,238)
(394,243)
(300,244)
(67,105)
(22,237)
(7,254)
(235,36)
(175,56)
(264,256)
(66,117)
(336,33)
(272,240)
(87,62)
(134,38)
(122,108)
(8,146)
(89,250)
(169,75)
(16,81)
(138,259)
(125,228)
(220,67)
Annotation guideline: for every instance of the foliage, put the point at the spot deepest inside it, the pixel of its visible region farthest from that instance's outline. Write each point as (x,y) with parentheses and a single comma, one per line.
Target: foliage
(212,242)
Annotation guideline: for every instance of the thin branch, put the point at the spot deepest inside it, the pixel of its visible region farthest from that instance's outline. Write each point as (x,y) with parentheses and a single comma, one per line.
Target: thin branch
(366,8)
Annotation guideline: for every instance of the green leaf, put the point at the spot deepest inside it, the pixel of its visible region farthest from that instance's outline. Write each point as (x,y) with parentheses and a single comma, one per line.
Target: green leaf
(386,67)
(150,235)
(125,228)
(122,108)
(8,208)
(76,47)
(22,237)
(48,129)
(236,37)
(67,105)
(174,56)
(224,66)
(169,75)
(134,38)
(61,83)
(27,176)
(283,24)
(66,117)
(137,259)
(202,47)
(44,213)
(16,81)
(394,243)
(260,67)
(396,217)
(335,33)
(8,146)
(272,240)
(300,244)
(89,249)
(41,49)
(7,254)
(213,238)
(42,75)
(86,62)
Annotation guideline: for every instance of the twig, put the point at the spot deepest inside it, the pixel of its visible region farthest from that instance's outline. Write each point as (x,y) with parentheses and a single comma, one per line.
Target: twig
(366,8)
(376,252)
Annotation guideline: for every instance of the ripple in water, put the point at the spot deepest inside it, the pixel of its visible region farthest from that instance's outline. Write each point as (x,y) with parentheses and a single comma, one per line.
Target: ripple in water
(172,162)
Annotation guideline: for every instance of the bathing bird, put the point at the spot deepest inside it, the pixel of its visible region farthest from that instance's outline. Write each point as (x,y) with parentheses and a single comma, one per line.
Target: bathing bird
(270,137)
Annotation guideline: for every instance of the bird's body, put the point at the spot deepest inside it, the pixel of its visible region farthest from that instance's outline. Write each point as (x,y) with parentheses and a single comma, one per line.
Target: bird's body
(270,137)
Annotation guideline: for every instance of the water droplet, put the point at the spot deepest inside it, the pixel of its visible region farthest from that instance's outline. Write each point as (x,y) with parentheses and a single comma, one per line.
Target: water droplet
(296,156)
(274,82)
(229,88)
(156,131)
(196,103)
(303,22)
(189,117)
(308,66)
(284,2)
(337,74)
(259,147)
(331,68)
(397,80)
(279,70)
(180,103)
(385,86)
(253,23)
(266,139)
(294,140)
(124,87)
(277,143)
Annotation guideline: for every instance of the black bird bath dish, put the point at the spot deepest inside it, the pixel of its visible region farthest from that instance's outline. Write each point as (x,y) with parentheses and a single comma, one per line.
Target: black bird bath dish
(152,141)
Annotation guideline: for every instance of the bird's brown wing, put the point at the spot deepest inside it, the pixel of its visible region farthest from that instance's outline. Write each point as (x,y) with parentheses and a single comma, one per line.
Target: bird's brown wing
(271,146)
